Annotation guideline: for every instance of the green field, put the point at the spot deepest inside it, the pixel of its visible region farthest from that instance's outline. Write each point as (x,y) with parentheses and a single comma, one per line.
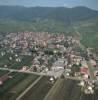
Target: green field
(88,30)
(7,25)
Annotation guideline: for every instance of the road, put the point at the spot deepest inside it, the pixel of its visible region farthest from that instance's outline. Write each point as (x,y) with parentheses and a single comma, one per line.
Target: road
(90,67)
(54,73)
(91,70)
(49,73)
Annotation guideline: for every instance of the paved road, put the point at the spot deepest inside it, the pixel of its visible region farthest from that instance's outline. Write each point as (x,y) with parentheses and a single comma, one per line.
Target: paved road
(49,73)
(55,74)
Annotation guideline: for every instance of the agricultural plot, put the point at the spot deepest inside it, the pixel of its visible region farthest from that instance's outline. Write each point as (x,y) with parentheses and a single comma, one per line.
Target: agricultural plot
(68,90)
(12,87)
(39,91)
(3,72)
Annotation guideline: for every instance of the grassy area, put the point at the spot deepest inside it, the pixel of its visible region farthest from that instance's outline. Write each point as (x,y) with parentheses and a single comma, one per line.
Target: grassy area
(7,25)
(89,32)
(25,61)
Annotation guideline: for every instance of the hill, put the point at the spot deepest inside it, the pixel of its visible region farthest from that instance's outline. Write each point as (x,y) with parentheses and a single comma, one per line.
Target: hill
(53,19)
(40,13)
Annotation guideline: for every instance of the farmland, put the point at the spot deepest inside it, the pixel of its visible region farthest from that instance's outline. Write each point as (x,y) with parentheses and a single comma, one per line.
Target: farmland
(15,85)
(3,72)
(39,91)
(66,90)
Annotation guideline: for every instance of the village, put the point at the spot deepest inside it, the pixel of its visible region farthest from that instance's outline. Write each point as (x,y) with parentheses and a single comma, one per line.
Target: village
(48,54)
